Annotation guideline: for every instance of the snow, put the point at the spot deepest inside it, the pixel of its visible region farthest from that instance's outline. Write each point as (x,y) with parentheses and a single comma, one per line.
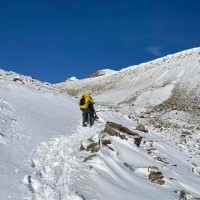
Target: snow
(73,78)
(41,136)
(68,177)
(102,72)
(124,85)
(150,99)
(27,117)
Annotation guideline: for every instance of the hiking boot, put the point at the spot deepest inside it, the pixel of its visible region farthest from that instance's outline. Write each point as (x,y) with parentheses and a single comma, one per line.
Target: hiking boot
(96,117)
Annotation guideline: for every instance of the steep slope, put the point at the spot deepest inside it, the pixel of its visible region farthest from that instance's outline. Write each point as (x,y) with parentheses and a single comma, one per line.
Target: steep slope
(158,87)
(30,113)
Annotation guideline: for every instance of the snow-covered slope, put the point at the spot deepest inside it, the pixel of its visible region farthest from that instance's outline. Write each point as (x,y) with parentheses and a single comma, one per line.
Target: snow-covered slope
(47,155)
(30,112)
(180,68)
(166,84)
(106,164)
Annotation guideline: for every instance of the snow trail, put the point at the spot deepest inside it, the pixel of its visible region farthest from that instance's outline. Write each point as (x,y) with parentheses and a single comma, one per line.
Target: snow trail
(54,162)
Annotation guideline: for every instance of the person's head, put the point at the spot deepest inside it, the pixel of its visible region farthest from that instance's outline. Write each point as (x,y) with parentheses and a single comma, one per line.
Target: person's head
(87,94)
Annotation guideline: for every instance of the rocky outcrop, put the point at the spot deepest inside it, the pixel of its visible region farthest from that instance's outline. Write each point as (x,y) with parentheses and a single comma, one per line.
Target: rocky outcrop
(184,195)
(142,128)
(103,140)
(156,176)
(92,144)
(118,130)
(105,143)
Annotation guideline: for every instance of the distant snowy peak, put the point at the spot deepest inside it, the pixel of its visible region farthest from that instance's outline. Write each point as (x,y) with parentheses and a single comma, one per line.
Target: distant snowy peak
(102,73)
(73,78)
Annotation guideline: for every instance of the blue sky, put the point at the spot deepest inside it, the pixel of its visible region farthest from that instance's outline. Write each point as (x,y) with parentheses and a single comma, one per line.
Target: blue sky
(53,40)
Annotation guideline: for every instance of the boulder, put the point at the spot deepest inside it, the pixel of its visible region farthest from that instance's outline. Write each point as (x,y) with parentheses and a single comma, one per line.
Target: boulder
(114,129)
(142,128)
(91,144)
(118,130)
(156,176)
(184,195)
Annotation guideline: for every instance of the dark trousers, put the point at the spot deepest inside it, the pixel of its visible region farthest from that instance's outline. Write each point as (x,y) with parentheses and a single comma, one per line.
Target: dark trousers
(85,116)
(92,111)
(88,117)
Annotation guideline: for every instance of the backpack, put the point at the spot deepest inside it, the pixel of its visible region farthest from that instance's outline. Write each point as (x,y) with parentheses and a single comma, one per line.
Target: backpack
(82,101)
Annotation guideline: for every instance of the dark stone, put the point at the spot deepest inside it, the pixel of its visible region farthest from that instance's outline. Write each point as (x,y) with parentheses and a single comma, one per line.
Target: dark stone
(183,195)
(114,129)
(129,166)
(138,141)
(2,134)
(186,133)
(161,159)
(82,148)
(18,79)
(118,130)
(89,157)
(105,143)
(93,147)
(156,175)
(142,128)
(153,176)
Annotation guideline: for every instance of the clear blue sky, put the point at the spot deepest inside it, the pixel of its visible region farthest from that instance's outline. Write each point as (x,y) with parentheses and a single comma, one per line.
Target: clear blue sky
(53,40)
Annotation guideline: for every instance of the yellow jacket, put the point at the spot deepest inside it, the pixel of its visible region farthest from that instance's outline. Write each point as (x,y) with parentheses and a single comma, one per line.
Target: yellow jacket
(88,100)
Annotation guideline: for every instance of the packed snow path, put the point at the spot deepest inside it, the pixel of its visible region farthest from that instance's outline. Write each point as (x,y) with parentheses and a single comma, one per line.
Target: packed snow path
(56,161)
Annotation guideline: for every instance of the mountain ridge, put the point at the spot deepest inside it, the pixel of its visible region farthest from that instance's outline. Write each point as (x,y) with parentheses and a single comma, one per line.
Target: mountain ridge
(153,89)
(143,66)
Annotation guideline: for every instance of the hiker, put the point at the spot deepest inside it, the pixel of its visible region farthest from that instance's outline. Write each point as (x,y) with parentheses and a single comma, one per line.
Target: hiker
(92,111)
(86,105)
